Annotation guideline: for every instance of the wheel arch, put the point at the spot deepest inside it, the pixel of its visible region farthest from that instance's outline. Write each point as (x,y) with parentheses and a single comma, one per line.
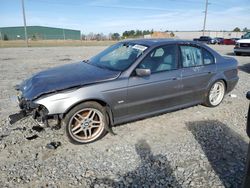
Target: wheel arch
(217,78)
(99,101)
(212,82)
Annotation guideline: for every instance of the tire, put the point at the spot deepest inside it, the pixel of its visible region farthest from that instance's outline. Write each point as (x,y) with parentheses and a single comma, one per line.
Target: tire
(237,53)
(85,123)
(211,99)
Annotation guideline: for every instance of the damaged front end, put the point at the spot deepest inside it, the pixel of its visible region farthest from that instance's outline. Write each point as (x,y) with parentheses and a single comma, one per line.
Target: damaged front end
(50,93)
(29,108)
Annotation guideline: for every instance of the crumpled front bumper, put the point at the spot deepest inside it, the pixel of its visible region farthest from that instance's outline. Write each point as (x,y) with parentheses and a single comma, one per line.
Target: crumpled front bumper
(27,105)
(28,108)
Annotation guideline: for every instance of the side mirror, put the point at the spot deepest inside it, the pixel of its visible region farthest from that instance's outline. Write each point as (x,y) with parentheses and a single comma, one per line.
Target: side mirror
(242,36)
(142,72)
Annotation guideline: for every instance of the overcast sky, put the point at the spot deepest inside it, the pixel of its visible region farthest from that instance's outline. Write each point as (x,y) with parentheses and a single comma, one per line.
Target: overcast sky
(118,15)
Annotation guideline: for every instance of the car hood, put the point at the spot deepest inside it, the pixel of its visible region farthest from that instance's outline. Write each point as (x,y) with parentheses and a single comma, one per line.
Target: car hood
(243,41)
(64,77)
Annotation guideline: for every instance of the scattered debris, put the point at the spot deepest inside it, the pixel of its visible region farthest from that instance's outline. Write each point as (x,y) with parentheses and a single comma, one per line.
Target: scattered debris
(6,59)
(3,136)
(56,127)
(65,59)
(32,137)
(19,129)
(53,145)
(13,118)
(233,95)
(3,146)
(37,128)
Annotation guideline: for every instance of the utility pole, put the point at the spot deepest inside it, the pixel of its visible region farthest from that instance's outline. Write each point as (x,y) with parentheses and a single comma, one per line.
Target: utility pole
(205,18)
(63,34)
(24,23)
(1,38)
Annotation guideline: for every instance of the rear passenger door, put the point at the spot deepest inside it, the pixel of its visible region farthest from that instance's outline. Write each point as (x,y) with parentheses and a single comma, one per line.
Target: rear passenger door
(198,67)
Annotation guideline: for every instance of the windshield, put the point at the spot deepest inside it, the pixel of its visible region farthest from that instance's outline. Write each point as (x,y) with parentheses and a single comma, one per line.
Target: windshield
(118,57)
(246,36)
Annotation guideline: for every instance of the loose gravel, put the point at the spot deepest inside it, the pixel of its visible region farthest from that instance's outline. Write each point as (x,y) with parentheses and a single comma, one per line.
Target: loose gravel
(193,147)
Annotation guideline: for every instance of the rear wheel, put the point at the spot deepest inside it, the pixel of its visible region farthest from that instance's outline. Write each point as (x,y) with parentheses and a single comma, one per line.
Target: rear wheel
(237,53)
(215,94)
(86,122)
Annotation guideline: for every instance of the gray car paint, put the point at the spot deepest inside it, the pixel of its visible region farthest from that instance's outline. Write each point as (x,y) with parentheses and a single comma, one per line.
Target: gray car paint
(64,77)
(130,97)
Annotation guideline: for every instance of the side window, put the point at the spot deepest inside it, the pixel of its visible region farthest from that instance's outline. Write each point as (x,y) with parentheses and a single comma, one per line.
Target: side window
(191,56)
(160,59)
(207,57)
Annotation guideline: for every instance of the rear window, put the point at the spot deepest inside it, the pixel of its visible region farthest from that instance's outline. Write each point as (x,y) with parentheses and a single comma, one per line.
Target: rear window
(208,58)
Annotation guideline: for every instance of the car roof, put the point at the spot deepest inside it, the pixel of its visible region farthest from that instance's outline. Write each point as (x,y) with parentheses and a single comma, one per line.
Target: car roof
(156,42)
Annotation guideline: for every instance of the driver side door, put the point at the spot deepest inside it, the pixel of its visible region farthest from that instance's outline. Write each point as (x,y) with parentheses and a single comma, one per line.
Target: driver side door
(161,89)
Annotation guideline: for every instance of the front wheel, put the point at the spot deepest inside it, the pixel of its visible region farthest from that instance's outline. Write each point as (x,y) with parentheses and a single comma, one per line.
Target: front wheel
(215,94)
(85,123)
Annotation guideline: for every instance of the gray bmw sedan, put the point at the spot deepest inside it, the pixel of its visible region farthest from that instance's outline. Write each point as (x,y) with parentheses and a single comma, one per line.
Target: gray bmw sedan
(127,81)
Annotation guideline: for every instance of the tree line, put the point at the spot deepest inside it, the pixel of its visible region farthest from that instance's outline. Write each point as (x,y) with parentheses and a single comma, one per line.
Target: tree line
(116,36)
(132,34)
(237,29)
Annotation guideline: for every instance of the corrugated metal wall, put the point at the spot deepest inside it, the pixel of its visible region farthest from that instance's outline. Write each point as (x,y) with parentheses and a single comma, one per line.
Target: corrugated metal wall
(39,33)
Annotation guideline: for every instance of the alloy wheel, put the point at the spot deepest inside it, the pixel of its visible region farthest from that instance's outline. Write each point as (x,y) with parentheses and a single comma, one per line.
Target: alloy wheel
(216,93)
(86,125)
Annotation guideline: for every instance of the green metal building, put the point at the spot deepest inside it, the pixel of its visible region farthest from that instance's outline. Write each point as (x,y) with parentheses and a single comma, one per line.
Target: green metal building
(39,33)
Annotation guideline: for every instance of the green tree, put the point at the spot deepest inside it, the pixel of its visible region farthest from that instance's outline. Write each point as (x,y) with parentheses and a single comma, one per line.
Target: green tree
(245,29)
(115,36)
(146,32)
(138,33)
(236,29)
(172,34)
(125,34)
(132,33)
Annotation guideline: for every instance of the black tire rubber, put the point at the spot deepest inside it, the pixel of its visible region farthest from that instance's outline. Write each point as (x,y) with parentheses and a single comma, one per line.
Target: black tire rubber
(237,53)
(207,101)
(69,115)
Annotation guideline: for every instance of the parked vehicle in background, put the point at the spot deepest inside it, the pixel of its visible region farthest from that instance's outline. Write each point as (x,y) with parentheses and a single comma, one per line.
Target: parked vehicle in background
(205,39)
(127,81)
(219,40)
(235,39)
(229,41)
(213,41)
(243,45)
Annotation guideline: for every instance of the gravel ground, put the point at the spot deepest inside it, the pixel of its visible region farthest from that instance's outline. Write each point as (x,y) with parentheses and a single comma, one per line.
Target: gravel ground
(193,147)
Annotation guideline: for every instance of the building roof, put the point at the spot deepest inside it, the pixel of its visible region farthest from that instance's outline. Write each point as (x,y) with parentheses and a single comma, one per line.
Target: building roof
(36,26)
